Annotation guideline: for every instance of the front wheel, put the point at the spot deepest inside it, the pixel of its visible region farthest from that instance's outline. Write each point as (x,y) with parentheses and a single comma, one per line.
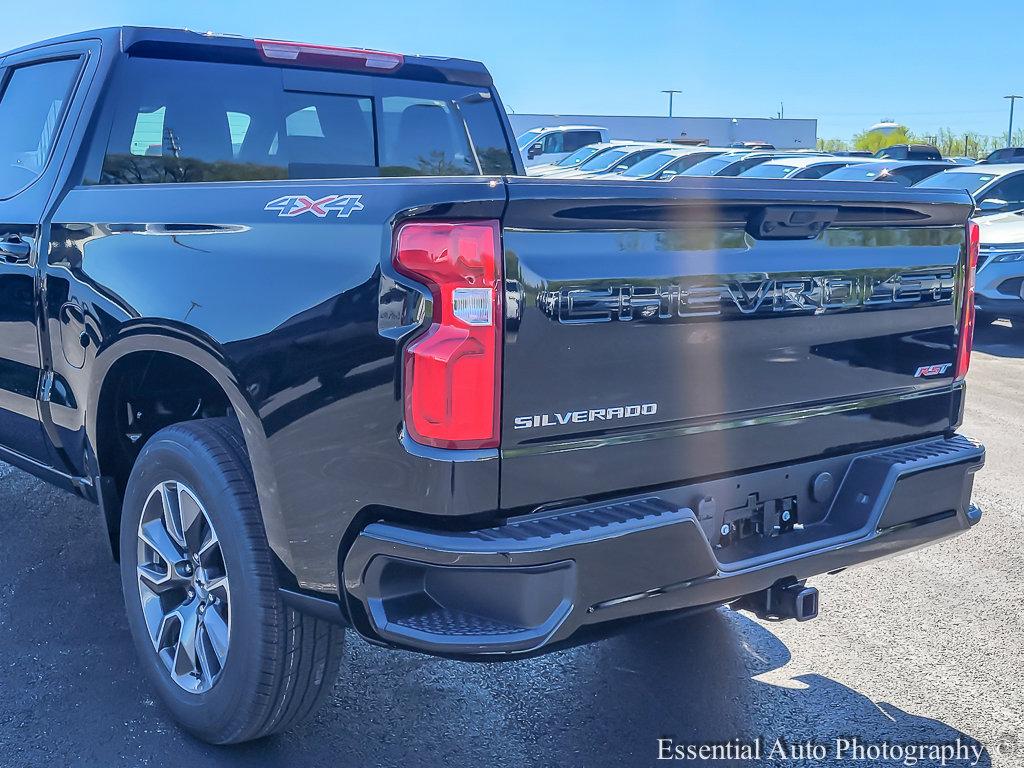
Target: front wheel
(229,659)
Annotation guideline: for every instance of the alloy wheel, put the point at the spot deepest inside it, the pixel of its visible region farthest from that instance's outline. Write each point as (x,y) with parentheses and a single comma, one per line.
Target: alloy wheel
(183,584)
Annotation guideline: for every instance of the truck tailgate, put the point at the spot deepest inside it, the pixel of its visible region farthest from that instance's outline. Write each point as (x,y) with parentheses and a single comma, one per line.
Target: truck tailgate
(658,332)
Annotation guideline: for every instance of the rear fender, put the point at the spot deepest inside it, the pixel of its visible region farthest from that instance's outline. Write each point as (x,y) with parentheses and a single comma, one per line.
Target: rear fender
(195,347)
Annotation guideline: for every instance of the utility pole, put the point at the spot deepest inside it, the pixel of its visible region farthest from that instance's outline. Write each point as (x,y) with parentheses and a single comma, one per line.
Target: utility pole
(1009,132)
(171,142)
(671,92)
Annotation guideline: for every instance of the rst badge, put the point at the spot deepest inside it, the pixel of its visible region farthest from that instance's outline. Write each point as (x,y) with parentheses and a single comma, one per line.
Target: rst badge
(290,206)
(932,370)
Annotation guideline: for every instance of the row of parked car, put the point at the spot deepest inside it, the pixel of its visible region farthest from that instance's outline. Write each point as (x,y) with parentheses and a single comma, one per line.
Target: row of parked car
(997,184)
(997,187)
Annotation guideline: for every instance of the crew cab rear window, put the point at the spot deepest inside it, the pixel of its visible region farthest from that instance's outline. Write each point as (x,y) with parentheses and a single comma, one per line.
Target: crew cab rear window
(191,121)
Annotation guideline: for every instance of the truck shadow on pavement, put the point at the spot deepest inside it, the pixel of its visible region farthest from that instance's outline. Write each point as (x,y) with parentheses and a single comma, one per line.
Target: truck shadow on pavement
(1000,338)
(694,681)
(73,693)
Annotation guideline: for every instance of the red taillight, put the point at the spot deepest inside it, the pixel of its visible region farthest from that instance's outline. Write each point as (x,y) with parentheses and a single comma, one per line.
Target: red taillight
(963,354)
(358,59)
(452,372)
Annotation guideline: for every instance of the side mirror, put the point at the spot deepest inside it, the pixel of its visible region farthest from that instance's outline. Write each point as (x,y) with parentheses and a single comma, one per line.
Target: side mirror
(534,150)
(669,175)
(992,204)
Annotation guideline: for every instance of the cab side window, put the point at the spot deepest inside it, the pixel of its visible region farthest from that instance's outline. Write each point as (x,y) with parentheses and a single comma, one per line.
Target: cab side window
(195,121)
(576,139)
(553,143)
(31,108)
(1011,190)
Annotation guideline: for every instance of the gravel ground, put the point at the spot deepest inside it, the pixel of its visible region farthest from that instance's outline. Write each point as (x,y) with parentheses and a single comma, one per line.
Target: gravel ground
(924,648)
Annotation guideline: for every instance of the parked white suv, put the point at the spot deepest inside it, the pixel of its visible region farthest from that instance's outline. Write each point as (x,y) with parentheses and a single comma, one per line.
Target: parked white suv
(999,290)
(552,143)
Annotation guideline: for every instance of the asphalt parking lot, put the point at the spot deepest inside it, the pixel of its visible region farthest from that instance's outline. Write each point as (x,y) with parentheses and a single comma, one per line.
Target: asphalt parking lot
(924,648)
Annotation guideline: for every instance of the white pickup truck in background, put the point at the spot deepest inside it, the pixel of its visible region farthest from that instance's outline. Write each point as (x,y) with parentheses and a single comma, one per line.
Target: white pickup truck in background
(551,144)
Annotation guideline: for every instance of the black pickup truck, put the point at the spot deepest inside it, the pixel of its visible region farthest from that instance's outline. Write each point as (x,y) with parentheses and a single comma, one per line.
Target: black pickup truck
(328,361)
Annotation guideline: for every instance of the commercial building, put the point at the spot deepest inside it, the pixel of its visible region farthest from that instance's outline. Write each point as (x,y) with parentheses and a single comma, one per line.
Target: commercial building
(717,131)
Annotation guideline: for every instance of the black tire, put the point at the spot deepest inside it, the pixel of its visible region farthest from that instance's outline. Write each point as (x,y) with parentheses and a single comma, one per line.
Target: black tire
(280,664)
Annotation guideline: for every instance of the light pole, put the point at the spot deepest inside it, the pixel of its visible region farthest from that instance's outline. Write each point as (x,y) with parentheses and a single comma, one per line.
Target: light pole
(1009,132)
(671,92)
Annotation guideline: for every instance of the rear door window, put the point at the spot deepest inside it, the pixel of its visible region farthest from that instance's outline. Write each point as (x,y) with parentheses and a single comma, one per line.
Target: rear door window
(31,109)
(190,121)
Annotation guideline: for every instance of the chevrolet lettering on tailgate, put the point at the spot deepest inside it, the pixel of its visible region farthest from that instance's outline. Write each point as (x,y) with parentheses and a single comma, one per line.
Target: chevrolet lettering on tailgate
(743,295)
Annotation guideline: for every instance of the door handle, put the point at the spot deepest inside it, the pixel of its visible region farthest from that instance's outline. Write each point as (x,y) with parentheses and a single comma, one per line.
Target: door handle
(14,250)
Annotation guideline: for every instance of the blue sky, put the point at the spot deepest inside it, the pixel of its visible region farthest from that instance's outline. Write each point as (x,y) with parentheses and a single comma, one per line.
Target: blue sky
(928,64)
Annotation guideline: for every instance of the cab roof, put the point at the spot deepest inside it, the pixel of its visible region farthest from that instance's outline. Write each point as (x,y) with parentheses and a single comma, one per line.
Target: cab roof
(689,149)
(161,42)
(807,161)
(876,164)
(566,128)
(995,170)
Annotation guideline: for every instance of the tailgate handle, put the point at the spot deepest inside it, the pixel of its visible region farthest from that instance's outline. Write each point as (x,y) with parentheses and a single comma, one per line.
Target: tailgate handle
(790,222)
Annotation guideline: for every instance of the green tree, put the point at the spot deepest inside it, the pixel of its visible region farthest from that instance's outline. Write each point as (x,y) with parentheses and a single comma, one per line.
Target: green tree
(951,143)
(876,140)
(966,144)
(832,145)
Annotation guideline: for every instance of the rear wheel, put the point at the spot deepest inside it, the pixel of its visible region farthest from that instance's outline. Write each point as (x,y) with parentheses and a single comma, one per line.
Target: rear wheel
(229,659)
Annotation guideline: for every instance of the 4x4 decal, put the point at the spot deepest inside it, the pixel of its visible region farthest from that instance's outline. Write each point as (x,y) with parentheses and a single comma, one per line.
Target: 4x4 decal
(296,205)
